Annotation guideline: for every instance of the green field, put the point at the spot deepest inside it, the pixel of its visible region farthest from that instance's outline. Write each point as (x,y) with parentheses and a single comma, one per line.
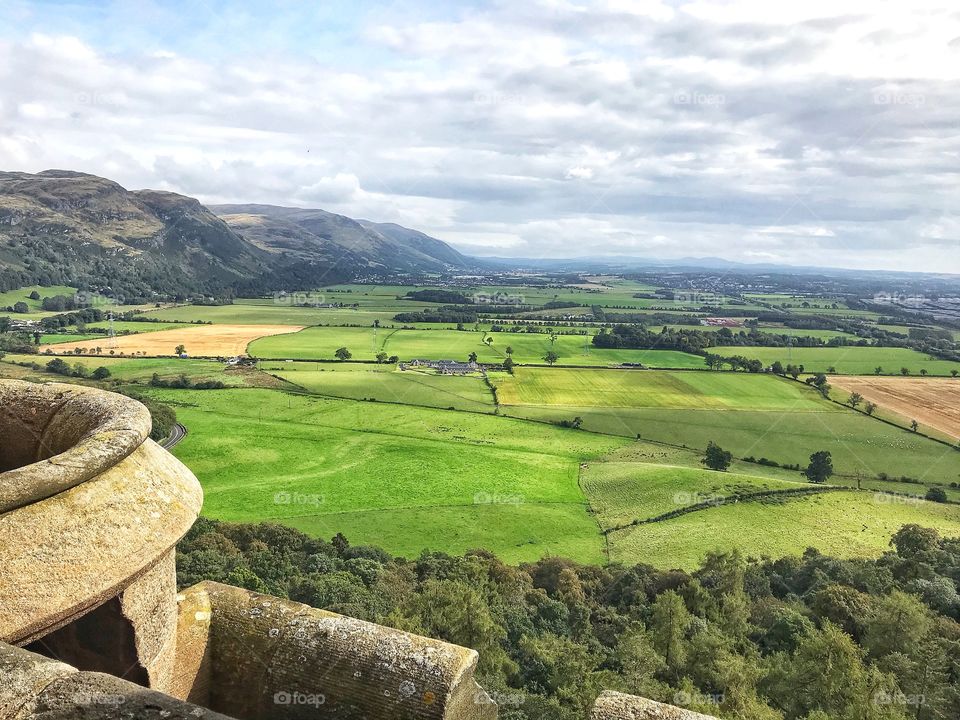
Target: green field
(268,314)
(322,463)
(771,329)
(857,442)
(121,327)
(141,370)
(36,312)
(408,478)
(843,524)
(851,360)
(655,389)
(621,492)
(386,383)
(320,343)
(53,338)
(378,454)
(11,297)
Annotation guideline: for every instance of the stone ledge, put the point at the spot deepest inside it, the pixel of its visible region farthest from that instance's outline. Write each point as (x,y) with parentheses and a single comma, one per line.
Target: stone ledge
(273,658)
(37,688)
(619,706)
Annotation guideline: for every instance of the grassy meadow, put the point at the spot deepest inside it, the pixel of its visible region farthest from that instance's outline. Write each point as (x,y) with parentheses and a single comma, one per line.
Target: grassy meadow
(849,360)
(322,463)
(843,524)
(654,389)
(385,383)
(320,343)
(410,460)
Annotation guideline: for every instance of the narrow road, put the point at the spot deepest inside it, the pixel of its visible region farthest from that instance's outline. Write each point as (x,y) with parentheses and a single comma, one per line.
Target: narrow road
(177,433)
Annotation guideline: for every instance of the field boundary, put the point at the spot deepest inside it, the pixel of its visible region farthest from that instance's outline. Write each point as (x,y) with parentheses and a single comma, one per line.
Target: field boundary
(728,500)
(891,423)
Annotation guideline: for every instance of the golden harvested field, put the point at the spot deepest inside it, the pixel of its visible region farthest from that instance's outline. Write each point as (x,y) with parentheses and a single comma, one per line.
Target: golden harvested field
(934,402)
(199,340)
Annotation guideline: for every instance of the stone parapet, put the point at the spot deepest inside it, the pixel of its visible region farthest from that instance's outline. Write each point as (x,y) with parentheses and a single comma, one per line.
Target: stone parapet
(618,706)
(258,656)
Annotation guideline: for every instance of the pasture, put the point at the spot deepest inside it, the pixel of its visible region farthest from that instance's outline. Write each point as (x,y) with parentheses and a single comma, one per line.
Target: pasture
(132,326)
(771,329)
(622,492)
(378,454)
(654,389)
(12,297)
(251,313)
(325,464)
(139,371)
(843,524)
(385,383)
(57,338)
(858,443)
(846,360)
(320,343)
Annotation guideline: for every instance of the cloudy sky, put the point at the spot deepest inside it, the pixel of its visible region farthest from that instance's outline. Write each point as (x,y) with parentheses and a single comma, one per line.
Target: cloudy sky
(825,132)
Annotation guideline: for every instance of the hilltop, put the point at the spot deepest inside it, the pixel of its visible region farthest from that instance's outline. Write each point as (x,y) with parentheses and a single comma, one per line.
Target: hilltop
(368,245)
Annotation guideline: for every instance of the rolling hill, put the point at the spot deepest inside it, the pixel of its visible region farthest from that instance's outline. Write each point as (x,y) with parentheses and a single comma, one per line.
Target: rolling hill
(60,227)
(374,246)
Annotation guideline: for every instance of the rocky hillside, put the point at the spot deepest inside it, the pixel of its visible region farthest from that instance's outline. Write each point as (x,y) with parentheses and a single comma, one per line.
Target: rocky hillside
(374,247)
(60,227)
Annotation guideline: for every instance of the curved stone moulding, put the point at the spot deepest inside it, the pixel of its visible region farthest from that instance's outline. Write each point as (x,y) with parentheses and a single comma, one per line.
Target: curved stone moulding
(55,437)
(89,503)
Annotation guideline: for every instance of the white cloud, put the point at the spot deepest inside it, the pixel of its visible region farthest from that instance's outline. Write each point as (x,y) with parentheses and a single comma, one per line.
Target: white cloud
(816,133)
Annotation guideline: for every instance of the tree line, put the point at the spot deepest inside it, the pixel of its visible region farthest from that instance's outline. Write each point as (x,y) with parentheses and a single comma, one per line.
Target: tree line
(807,637)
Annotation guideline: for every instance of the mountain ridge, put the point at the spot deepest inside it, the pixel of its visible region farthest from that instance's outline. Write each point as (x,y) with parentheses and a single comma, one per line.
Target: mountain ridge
(64,227)
(380,246)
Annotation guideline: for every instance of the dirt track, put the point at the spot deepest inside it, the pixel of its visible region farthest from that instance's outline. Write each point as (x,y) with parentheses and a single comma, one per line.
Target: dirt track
(934,402)
(199,340)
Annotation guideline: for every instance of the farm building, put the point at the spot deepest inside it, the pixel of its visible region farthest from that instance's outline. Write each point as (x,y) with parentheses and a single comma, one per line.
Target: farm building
(444,367)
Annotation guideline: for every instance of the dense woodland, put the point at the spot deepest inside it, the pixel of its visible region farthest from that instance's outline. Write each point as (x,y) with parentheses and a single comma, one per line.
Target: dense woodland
(809,637)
